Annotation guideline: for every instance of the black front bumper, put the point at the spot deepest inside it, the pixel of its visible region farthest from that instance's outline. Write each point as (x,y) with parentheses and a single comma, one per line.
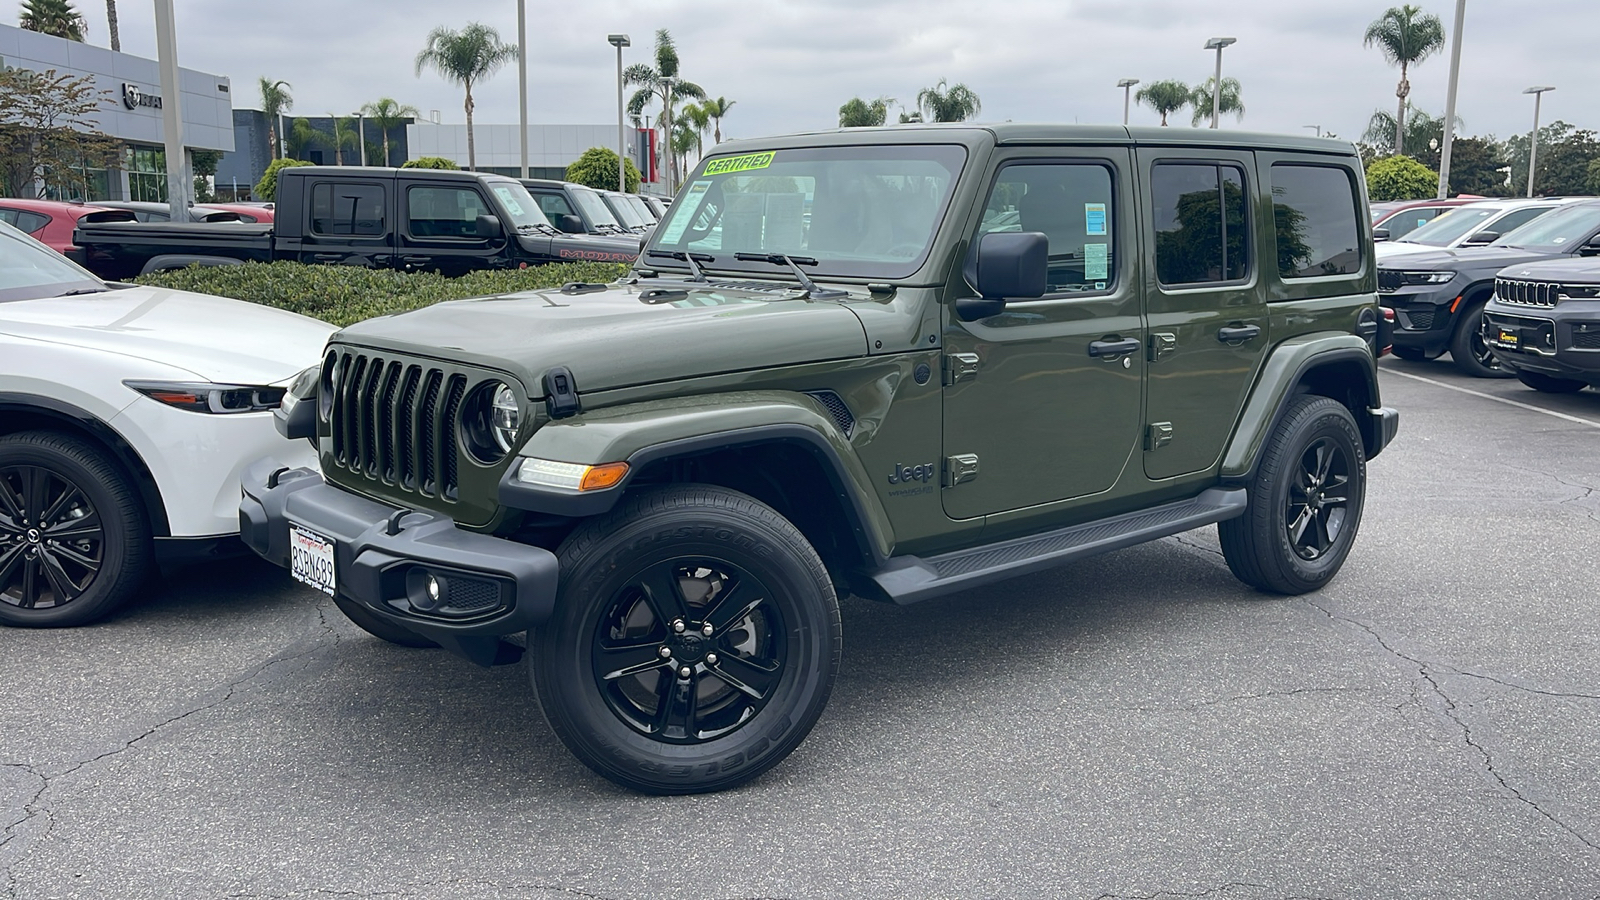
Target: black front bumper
(1425,319)
(1561,341)
(382,554)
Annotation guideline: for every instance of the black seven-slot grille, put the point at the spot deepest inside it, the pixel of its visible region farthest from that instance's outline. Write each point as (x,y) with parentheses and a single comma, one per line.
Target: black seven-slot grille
(394,421)
(1526,293)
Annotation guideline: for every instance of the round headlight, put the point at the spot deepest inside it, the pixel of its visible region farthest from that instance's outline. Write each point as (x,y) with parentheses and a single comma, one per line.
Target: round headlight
(504,416)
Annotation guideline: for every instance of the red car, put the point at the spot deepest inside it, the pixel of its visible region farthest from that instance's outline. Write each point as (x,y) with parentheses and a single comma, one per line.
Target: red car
(1396,219)
(248,212)
(50,221)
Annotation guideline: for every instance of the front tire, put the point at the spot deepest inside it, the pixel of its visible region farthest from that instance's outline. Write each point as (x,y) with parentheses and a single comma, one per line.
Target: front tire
(74,540)
(1549,384)
(695,641)
(1305,501)
(1469,351)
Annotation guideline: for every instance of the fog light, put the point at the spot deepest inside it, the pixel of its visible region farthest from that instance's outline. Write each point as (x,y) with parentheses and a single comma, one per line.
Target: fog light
(432,587)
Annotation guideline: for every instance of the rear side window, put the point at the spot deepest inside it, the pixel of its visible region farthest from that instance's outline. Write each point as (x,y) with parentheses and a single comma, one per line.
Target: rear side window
(1071,203)
(23,221)
(1406,221)
(1315,218)
(1202,229)
(1511,221)
(444,212)
(347,209)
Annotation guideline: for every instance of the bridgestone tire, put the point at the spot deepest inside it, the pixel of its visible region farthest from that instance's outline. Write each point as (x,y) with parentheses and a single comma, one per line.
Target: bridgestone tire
(1549,384)
(722,550)
(1409,354)
(121,548)
(1467,348)
(1259,545)
(378,628)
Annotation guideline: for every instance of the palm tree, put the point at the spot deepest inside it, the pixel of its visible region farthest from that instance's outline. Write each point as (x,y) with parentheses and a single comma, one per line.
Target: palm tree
(683,140)
(464,57)
(698,119)
(344,135)
(956,103)
(716,109)
(111,25)
(302,134)
(275,101)
(387,114)
(1407,36)
(1165,97)
(859,113)
(661,82)
(53,17)
(1227,102)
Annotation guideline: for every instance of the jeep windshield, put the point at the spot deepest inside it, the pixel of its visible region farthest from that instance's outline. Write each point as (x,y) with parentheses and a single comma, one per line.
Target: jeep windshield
(1557,232)
(861,212)
(519,206)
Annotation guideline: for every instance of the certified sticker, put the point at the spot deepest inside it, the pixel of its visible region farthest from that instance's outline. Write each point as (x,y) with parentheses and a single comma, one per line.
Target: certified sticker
(739,163)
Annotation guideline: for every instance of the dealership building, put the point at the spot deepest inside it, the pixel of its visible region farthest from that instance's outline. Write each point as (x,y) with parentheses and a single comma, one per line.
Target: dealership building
(132,114)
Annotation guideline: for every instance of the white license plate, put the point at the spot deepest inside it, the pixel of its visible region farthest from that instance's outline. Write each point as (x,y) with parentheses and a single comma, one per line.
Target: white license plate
(311,559)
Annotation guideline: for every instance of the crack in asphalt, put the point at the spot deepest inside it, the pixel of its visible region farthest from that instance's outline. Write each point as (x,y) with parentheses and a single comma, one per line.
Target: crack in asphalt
(33,808)
(1449,711)
(1195,546)
(1522,687)
(1588,491)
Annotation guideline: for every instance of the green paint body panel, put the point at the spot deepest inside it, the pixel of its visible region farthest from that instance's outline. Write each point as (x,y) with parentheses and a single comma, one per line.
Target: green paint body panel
(1278,379)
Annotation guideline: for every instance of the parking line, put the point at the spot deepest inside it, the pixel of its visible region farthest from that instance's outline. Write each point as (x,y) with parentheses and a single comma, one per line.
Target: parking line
(1520,405)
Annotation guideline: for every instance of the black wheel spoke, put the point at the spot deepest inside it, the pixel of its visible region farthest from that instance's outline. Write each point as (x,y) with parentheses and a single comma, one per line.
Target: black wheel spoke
(1338,492)
(10,560)
(662,592)
(745,676)
(35,489)
(76,529)
(622,660)
(30,587)
(11,505)
(679,702)
(72,555)
(1324,459)
(1297,527)
(733,607)
(60,583)
(56,506)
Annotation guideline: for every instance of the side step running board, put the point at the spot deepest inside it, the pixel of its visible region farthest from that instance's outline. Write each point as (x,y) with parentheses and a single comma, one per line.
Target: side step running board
(908,579)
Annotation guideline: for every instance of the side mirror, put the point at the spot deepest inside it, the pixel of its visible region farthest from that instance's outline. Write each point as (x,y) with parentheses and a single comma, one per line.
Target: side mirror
(1380,234)
(1001,266)
(1591,247)
(487,227)
(1483,237)
(570,223)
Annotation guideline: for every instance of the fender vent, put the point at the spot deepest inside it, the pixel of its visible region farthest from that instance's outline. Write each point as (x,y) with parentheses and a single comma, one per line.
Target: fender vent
(836,407)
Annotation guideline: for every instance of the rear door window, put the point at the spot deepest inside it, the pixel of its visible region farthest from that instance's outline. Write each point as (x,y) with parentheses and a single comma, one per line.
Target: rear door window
(26,222)
(1201,223)
(347,209)
(1316,221)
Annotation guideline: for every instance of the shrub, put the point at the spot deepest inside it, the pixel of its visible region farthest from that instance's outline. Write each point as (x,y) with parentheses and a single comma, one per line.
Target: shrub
(1400,178)
(597,168)
(343,295)
(430,162)
(267,187)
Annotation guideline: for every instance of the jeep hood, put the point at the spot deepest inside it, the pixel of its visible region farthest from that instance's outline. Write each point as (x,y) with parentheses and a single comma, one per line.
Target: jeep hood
(624,335)
(221,340)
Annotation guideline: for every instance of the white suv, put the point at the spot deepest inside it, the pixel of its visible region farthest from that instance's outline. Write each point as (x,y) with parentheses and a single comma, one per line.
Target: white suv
(126,416)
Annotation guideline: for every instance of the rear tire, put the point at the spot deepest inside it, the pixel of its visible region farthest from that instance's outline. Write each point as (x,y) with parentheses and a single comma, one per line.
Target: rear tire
(1305,501)
(1549,384)
(378,628)
(694,645)
(1469,351)
(74,540)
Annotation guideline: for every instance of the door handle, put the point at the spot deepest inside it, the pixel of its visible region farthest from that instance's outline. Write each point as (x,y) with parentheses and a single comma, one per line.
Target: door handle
(1237,334)
(1110,349)
(327,257)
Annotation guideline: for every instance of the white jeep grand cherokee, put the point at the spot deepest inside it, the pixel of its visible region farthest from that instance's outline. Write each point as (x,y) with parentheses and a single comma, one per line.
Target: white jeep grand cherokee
(126,416)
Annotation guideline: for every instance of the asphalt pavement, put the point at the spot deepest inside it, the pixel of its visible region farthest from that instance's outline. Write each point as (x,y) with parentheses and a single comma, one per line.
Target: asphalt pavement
(1139,725)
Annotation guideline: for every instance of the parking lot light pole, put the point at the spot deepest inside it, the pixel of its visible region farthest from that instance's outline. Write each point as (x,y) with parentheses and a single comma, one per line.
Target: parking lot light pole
(1450,100)
(522,80)
(1127,95)
(1217,43)
(1533,139)
(361,133)
(171,113)
(619,41)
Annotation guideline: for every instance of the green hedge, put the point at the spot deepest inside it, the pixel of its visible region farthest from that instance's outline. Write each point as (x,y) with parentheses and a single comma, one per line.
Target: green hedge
(342,295)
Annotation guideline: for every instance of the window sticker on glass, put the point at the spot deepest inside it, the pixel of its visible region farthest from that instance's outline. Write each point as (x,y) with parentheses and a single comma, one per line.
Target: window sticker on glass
(509,200)
(1095,261)
(683,211)
(1094,219)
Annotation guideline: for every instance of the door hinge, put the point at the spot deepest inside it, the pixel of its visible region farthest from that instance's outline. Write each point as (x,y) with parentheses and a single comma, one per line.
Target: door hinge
(960,367)
(1158,435)
(960,469)
(1162,345)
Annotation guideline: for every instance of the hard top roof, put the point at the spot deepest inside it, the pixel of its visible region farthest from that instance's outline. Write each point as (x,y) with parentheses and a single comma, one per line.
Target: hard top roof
(1019,133)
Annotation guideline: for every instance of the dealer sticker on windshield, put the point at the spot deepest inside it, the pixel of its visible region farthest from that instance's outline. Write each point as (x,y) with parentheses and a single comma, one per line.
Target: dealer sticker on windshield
(739,163)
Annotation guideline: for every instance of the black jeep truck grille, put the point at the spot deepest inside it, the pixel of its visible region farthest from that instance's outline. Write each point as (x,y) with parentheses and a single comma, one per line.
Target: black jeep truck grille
(394,421)
(1526,293)
(1390,281)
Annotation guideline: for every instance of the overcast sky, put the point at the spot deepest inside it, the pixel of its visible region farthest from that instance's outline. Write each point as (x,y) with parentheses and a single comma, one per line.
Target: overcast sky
(789,65)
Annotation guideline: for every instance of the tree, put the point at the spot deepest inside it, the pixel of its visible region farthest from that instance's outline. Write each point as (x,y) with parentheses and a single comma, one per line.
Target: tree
(1228,102)
(53,17)
(386,113)
(1400,178)
(1424,134)
(957,103)
(859,113)
(1564,156)
(697,120)
(1593,186)
(716,109)
(111,25)
(1165,97)
(430,162)
(911,118)
(683,140)
(267,187)
(275,101)
(1406,36)
(661,82)
(465,57)
(205,167)
(302,137)
(1475,166)
(344,135)
(597,168)
(49,133)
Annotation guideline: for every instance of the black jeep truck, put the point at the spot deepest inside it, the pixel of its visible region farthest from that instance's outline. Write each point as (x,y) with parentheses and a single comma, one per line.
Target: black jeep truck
(1544,324)
(574,208)
(1439,297)
(408,219)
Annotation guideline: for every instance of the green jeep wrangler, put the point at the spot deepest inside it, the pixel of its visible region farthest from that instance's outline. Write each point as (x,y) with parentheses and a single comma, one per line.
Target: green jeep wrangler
(896,363)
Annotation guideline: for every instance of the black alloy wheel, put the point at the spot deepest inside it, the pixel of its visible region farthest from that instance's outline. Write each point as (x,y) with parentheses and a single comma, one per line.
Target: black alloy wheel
(1469,350)
(74,541)
(1319,499)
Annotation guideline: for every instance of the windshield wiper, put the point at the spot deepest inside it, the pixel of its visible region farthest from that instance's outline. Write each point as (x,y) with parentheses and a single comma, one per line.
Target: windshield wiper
(813,290)
(688,258)
(80,291)
(538,227)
